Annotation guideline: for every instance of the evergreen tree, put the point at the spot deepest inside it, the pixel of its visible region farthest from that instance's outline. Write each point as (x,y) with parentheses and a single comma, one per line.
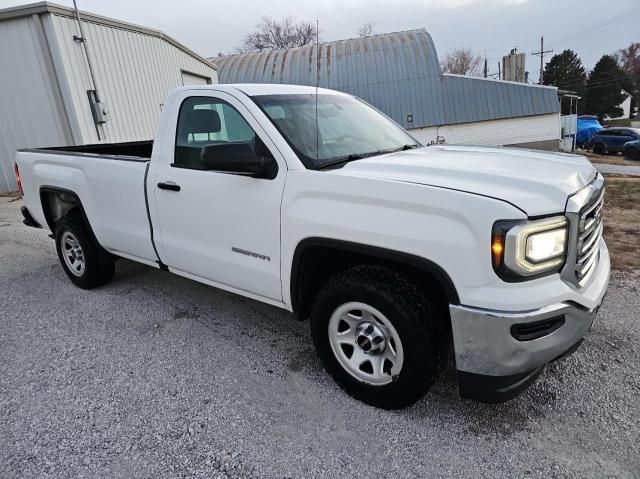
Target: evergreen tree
(565,71)
(604,88)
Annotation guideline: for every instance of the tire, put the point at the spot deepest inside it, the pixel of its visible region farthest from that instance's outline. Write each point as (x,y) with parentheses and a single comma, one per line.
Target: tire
(84,261)
(632,154)
(378,297)
(599,149)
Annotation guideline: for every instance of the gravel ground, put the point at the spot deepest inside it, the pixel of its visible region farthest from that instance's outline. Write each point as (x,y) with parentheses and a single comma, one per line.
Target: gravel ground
(157,376)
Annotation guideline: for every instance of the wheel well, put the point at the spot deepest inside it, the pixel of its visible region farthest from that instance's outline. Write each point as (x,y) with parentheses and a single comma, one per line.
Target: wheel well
(58,203)
(317,260)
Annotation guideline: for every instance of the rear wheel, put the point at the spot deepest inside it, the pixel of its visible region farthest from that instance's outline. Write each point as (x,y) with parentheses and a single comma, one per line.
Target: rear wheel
(84,261)
(599,149)
(632,154)
(378,336)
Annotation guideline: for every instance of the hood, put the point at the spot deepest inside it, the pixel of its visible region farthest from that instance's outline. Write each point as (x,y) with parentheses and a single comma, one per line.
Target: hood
(537,182)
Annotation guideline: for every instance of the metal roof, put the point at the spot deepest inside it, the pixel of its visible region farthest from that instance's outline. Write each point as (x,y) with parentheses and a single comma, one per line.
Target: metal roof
(399,73)
(48,7)
(469,99)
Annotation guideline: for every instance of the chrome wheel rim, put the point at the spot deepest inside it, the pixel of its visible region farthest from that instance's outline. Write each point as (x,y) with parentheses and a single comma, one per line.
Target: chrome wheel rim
(365,343)
(72,254)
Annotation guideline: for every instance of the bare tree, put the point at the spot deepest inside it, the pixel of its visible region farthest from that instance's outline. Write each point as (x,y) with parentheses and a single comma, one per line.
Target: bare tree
(461,61)
(271,34)
(365,30)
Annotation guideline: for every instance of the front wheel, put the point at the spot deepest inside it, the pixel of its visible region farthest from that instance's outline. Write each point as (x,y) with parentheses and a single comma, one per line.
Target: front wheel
(599,149)
(378,336)
(84,261)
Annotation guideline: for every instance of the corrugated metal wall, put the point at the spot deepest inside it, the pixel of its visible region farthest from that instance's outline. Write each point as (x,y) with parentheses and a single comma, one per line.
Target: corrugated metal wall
(470,99)
(134,72)
(44,80)
(397,72)
(30,116)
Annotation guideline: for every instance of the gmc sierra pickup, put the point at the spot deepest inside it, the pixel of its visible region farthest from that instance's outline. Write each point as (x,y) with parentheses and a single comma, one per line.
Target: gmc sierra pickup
(401,255)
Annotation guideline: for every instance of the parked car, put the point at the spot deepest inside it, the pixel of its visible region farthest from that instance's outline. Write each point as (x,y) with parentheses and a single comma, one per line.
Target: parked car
(323,206)
(631,150)
(612,140)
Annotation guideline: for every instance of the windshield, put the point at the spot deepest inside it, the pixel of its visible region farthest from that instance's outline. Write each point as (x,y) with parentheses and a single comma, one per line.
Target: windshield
(348,129)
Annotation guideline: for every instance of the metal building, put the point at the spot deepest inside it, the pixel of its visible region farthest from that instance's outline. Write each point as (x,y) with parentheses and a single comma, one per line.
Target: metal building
(46,89)
(399,73)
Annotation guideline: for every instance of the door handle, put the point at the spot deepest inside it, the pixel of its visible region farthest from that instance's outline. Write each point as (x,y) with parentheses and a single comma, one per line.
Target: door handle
(169,185)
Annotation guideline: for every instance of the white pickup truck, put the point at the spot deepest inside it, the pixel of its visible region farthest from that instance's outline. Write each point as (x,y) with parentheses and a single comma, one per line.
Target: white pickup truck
(401,255)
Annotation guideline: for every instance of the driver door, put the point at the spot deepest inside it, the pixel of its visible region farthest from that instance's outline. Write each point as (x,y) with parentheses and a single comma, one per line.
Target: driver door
(222,228)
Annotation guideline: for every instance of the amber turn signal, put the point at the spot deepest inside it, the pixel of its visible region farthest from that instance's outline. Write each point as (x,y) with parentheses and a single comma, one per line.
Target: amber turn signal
(497,248)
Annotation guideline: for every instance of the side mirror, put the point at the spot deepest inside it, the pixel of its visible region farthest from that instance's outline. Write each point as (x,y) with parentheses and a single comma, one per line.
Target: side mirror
(238,158)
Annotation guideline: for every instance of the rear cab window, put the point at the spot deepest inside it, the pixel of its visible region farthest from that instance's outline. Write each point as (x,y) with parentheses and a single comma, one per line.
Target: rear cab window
(204,121)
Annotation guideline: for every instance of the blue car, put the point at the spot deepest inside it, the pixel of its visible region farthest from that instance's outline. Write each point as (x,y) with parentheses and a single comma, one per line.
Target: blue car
(631,150)
(612,140)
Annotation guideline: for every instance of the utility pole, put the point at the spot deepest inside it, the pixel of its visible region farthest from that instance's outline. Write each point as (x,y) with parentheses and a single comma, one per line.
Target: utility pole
(486,67)
(499,72)
(541,54)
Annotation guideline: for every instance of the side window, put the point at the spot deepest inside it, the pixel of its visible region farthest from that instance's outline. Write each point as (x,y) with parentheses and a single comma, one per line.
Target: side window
(204,121)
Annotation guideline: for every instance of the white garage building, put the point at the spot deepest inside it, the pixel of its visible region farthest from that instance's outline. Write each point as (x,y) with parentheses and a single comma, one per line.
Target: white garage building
(399,73)
(48,92)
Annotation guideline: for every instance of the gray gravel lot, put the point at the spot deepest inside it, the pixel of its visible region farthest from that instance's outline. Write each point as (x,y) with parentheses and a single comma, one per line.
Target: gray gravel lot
(155,376)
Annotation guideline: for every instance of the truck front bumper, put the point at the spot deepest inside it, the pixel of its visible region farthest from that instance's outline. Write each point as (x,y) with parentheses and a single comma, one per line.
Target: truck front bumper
(499,353)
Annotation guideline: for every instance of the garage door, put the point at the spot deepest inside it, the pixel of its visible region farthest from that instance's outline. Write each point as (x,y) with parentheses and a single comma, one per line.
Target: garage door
(189,79)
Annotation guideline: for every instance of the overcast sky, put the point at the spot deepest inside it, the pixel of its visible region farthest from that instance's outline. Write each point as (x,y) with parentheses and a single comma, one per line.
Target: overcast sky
(590,27)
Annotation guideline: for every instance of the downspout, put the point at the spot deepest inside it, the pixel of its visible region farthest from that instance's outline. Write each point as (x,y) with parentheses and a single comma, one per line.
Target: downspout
(82,39)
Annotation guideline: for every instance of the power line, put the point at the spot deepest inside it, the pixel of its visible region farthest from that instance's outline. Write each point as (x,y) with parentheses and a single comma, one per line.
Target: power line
(601,26)
(588,85)
(596,28)
(603,83)
(587,82)
(604,76)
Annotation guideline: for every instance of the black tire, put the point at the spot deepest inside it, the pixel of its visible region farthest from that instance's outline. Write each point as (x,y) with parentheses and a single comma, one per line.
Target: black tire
(99,265)
(632,154)
(599,149)
(415,318)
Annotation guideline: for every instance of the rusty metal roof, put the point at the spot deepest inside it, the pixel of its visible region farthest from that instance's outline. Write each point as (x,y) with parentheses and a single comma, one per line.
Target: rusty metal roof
(398,73)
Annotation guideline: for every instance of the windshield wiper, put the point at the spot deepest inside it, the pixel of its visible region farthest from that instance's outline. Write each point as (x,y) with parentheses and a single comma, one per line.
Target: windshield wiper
(360,156)
(405,147)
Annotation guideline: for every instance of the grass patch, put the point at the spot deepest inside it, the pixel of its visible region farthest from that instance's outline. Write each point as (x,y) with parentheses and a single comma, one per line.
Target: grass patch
(622,222)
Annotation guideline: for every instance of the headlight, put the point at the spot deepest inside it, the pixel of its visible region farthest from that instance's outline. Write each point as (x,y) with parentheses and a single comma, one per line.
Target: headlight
(525,250)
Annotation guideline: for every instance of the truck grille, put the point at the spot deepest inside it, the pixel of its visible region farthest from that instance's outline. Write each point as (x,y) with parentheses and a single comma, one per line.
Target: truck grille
(589,233)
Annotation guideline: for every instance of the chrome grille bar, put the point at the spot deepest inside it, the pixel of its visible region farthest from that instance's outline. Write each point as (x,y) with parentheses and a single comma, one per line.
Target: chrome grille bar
(590,241)
(589,233)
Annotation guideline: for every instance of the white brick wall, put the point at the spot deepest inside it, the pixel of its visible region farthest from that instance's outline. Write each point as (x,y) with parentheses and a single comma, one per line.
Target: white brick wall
(495,132)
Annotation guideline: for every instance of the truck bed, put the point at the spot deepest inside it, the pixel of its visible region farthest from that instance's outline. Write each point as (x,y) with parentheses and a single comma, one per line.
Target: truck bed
(110,182)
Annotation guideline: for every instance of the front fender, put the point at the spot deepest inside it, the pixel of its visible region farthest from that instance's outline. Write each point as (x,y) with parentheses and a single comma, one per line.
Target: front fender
(449,228)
